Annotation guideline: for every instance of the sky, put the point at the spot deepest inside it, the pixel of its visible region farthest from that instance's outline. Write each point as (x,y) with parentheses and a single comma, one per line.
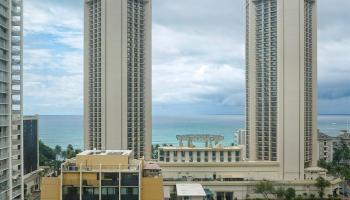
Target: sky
(198,57)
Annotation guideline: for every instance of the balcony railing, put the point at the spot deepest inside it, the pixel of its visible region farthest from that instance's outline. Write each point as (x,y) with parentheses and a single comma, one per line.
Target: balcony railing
(71,167)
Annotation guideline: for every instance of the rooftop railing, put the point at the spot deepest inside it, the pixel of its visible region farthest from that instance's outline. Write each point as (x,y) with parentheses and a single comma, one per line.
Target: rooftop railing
(72,167)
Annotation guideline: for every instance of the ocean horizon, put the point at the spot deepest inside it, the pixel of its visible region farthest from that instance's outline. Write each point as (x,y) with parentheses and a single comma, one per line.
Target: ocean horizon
(68,129)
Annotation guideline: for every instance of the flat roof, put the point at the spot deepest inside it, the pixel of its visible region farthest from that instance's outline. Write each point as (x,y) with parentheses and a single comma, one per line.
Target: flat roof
(106,152)
(190,190)
(203,148)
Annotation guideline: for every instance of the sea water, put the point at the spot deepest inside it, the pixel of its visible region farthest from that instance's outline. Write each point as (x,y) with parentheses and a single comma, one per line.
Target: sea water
(63,129)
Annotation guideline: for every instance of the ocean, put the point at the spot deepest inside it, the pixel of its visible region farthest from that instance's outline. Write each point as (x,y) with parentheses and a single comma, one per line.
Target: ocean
(63,129)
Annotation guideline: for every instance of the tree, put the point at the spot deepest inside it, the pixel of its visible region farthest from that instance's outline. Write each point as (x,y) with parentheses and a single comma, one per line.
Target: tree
(280,192)
(322,184)
(46,154)
(155,151)
(58,151)
(290,193)
(70,152)
(265,188)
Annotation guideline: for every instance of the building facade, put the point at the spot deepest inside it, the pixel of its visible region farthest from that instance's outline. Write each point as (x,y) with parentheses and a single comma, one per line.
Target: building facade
(105,175)
(11,84)
(241,137)
(201,154)
(31,170)
(327,144)
(281,65)
(117,75)
(31,146)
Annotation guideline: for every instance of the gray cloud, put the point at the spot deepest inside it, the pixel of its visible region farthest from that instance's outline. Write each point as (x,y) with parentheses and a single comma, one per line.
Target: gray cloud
(198,54)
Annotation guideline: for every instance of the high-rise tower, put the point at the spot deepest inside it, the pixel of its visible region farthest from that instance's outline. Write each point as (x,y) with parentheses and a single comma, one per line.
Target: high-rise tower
(281,83)
(117,64)
(11,55)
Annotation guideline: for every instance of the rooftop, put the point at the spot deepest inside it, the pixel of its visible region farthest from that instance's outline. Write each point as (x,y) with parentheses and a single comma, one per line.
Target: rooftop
(202,148)
(106,152)
(190,190)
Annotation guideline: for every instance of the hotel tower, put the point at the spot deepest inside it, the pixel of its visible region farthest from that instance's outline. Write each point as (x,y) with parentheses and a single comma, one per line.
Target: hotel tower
(11,62)
(281,49)
(117,76)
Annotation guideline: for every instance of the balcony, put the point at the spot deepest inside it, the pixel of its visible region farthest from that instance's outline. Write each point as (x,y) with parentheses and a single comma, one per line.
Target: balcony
(16,42)
(4,178)
(16,23)
(16,112)
(16,12)
(16,71)
(16,52)
(16,142)
(16,173)
(4,186)
(16,2)
(16,82)
(16,192)
(2,157)
(16,132)
(16,152)
(16,162)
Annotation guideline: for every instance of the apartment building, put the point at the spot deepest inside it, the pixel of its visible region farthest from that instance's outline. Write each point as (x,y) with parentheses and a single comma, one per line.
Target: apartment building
(11,84)
(117,75)
(281,83)
(105,175)
(327,144)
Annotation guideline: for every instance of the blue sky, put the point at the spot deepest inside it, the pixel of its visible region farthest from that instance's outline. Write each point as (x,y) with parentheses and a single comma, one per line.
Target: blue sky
(198,57)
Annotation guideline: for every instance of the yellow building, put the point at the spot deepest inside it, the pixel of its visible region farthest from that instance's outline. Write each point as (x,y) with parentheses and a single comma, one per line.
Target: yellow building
(105,175)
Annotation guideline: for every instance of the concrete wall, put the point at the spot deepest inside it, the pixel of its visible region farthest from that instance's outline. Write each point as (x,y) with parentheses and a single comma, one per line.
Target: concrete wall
(152,188)
(107,160)
(51,188)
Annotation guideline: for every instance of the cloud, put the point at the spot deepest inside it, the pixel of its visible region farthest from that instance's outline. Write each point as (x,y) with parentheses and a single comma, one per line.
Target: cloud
(198,56)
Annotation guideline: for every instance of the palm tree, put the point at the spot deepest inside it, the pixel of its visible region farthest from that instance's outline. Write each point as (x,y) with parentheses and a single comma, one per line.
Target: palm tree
(58,152)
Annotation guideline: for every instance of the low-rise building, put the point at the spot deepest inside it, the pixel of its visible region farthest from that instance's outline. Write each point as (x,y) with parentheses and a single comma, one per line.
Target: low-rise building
(201,154)
(106,175)
(224,173)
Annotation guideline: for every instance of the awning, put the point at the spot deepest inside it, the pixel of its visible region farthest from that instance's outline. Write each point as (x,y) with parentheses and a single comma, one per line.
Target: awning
(190,190)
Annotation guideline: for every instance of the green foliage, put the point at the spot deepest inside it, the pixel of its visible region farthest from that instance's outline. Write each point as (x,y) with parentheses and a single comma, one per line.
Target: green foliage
(341,154)
(155,151)
(299,197)
(46,154)
(265,188)
(339,166)
(290,193)
(280,192)
(322,184)
(52,157)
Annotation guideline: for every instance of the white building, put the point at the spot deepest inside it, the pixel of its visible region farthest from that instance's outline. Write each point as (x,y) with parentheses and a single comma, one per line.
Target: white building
(241,137)
(281,56)
(327,144)
(117,75)
(201,154)
(11,84)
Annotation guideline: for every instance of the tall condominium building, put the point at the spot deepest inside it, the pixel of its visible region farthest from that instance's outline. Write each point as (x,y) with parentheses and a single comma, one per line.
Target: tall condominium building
(11,54)
(118,75)
(281,83)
